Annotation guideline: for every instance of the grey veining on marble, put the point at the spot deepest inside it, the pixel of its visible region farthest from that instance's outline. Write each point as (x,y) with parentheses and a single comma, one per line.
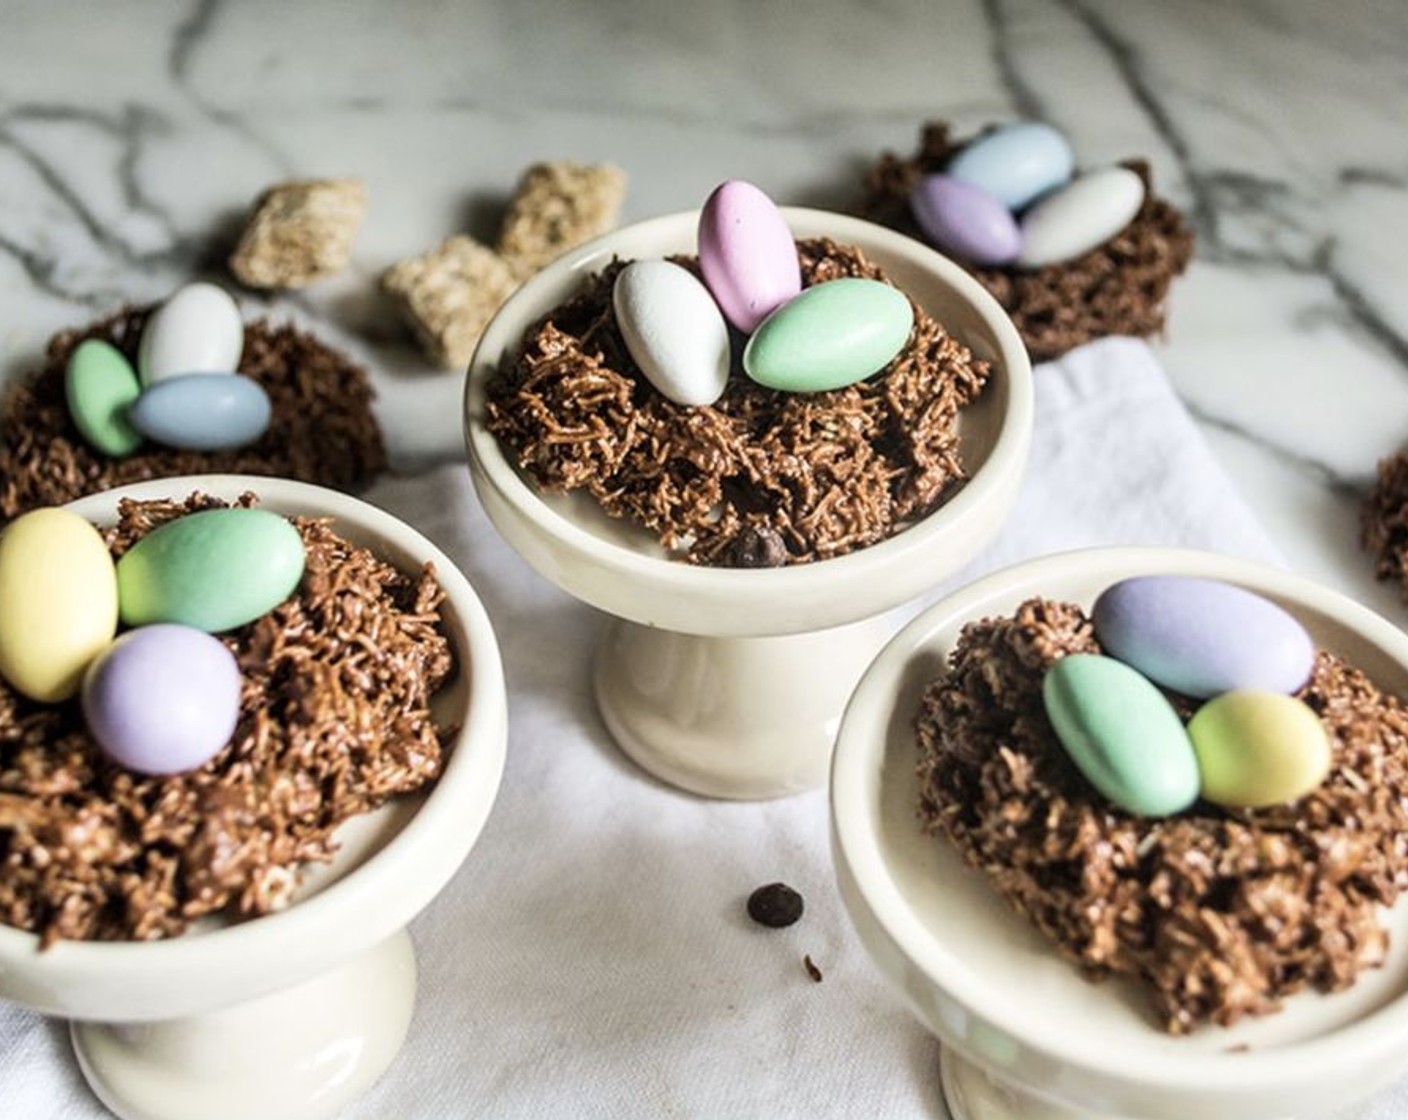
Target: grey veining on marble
(133,136)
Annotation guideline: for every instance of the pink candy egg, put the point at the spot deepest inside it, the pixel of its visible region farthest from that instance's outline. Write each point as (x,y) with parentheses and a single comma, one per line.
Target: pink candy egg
(747,254)
(966,220)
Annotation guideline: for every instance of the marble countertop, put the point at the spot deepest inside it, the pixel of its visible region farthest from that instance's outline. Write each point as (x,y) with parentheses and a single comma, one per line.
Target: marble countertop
(133,137)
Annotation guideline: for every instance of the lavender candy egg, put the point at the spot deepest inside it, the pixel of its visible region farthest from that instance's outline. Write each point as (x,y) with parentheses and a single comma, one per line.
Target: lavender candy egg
(163,699)
(1203,637)
(965,220)
(747,254)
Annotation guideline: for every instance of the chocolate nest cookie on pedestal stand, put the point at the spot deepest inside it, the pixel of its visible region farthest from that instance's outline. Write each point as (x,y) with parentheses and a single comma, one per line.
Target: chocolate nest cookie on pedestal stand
(321,429)
(1220,913)
(1118,288)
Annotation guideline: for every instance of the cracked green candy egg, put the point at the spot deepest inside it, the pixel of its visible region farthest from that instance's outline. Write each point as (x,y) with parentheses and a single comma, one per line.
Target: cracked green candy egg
(1122,734)
(831,335)
(215,570)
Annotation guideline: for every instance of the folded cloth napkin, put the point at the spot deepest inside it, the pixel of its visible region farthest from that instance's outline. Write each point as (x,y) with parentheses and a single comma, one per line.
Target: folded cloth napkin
(592,958)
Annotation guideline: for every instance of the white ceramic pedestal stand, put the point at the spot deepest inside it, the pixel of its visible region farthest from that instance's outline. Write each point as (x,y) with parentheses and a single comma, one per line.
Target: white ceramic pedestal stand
(292,1015)
(341,1029)
(731,717)
(973,1094)
(1025,1036)
(731,682)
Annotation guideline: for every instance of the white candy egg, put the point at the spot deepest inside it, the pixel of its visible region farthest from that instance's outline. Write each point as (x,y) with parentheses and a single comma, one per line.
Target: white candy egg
(1087,211)
(197,330)
(673,329)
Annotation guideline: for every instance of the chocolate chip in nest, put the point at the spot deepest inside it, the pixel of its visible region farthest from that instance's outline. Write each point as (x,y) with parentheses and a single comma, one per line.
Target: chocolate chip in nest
(757,546)
(775,905)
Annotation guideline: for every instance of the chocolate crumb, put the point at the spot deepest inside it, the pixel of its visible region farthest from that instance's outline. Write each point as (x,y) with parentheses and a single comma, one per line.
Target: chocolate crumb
(1118,288)
(775,905)
(1220,914)
(812,970)
(757,546)
(334,721)
(321,429)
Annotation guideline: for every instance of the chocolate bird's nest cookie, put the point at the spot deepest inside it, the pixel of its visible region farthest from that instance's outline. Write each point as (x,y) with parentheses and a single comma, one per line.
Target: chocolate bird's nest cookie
(1218,913)
(759,478)
(1118,288)
(334,720)
(321,428)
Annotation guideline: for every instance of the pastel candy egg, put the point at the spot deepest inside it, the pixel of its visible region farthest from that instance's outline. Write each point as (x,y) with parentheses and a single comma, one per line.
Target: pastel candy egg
(673,329)
(1201,637)
(197,330)
(1258,748)
(100,385)
(965,220)
(1122,734)
(215,570)
(202,411)
(1016,162)
(162,699)
(747,254)
(58,602)
(1087,212)
(832,335)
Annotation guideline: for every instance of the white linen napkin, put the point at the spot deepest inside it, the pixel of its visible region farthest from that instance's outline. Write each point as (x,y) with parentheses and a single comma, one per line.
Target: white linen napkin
(592,958)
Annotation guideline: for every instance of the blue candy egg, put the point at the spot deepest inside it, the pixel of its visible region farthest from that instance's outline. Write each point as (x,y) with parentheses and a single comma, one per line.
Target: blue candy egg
(1016,162)
(202,411)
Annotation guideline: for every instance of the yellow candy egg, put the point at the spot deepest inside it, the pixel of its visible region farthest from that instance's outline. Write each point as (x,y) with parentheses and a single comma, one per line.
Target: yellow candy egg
(58,602)
(1257,749)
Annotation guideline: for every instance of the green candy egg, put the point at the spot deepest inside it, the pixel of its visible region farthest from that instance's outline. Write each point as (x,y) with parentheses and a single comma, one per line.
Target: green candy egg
(830,336)
(215,570)
(1122,734)
(100,385)
(1257,749)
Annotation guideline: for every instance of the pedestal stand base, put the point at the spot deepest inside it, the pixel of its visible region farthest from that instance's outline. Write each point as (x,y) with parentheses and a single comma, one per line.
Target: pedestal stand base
(732,717)
(298,1054)
(972,1093)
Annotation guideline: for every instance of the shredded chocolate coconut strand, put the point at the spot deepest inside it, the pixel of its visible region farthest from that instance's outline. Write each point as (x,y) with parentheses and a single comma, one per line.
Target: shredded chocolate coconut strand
(1383,521)
(760,478)
(321,430)
(1119,288)
(334,720)
(1222,914)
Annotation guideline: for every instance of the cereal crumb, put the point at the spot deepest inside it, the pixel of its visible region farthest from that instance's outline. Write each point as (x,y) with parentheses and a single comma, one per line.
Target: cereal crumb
(775,905)
(449,294)
(299,232)
(557,206)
